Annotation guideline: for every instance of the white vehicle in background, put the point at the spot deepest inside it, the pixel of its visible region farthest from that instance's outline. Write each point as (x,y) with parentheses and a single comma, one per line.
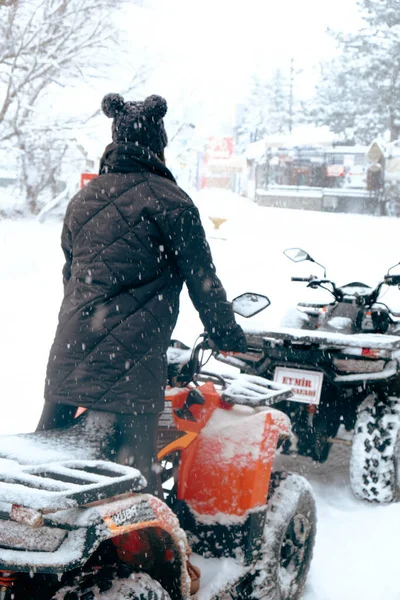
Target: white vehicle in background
(347,166)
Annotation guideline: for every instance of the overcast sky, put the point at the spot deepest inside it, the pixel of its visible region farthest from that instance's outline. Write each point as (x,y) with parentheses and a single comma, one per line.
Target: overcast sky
(206,51)
(203,54)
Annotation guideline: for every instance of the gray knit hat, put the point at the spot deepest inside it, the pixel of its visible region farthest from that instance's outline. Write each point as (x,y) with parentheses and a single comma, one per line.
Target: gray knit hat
(137,122)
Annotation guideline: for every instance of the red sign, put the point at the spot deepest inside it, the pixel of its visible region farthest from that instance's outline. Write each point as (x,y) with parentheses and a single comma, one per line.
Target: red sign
(219,147)
(85,177)
(306,385)
(335,171)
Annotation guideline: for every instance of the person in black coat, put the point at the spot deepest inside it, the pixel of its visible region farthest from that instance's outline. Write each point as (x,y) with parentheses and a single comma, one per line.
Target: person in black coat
(131,238)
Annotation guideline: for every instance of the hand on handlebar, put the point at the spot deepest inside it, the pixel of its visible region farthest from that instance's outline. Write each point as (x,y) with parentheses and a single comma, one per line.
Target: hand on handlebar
(232,343)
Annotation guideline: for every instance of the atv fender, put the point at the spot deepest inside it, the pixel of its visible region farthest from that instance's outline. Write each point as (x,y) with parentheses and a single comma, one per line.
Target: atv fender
(228,466)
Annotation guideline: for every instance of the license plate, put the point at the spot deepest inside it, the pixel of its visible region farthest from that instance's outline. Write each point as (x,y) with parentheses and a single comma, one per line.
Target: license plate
(306,385)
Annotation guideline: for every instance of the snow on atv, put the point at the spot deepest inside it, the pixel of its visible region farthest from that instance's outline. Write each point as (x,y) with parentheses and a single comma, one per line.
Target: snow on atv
(343,366)
(75,526)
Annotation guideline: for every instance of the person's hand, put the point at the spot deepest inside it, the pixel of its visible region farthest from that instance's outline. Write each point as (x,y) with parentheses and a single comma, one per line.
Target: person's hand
(233,343)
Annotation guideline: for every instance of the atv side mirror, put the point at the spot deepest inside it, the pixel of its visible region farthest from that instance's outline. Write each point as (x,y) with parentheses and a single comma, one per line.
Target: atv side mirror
(297,254)
(249,304)
(394,266)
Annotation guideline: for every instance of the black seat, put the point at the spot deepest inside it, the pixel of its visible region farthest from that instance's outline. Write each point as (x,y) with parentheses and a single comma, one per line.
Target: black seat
(91,438)
(70,466)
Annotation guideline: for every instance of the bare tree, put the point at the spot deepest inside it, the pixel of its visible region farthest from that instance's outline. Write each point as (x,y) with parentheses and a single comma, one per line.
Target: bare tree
(44,44)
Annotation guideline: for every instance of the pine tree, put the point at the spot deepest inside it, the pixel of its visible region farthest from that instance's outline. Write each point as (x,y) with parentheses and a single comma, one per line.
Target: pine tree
(358,95)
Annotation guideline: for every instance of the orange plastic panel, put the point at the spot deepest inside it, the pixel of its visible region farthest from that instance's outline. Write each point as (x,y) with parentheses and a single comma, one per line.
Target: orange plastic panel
(183,442)
(227,468)
(201,412)
(178,395)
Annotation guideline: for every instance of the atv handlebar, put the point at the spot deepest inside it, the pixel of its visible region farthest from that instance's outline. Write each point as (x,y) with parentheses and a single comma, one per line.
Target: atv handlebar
(337,293)
(387,280)
(306,279)
(314,281)
(249,390)
(392,279)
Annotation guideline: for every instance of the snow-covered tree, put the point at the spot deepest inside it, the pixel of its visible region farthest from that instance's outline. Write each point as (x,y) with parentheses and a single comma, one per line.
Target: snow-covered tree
(267,107)
(45,45)
(358,95)
(270,108)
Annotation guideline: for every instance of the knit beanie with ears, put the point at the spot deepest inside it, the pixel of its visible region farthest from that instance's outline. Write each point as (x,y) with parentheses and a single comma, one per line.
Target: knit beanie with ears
(140,123)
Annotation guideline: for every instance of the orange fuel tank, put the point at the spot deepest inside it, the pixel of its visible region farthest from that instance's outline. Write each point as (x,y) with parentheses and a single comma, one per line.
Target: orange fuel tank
(227,468)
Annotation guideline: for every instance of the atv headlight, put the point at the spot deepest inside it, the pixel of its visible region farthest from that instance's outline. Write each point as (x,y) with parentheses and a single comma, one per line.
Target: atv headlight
(358,366)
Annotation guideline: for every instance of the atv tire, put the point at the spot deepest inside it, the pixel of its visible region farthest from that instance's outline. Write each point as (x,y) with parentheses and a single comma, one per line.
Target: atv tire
(289,536)
(375,458)
(320,447)
(107,585)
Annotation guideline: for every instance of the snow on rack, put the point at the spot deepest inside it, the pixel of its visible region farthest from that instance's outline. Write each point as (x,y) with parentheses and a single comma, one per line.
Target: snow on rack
(58,486)
(359,340)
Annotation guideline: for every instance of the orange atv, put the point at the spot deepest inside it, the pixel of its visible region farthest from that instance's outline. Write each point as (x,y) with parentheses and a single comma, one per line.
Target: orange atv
(75,526)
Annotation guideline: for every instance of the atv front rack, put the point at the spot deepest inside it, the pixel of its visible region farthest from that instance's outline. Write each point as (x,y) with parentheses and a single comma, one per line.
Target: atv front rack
(254,391)
(249,390)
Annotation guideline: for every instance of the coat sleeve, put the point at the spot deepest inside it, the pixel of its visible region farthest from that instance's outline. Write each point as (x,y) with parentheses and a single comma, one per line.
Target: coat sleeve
(187,241)
(66,245)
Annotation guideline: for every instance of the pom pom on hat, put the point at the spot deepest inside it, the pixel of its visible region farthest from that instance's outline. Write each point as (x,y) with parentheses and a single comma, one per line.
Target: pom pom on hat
(155,106)
(112,104)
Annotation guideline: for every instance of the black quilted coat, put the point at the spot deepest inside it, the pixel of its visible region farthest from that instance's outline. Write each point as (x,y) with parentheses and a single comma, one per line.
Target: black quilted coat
(130,239)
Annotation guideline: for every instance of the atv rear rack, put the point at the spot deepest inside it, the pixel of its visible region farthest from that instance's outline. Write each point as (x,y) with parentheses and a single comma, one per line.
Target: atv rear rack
(66,484)
(326,339)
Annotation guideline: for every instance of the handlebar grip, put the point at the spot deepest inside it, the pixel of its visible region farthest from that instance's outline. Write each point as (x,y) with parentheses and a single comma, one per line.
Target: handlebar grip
(301,279)
(392,279)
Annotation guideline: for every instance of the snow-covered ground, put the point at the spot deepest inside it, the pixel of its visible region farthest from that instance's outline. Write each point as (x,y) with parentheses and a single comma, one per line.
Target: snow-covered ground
(357,549)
